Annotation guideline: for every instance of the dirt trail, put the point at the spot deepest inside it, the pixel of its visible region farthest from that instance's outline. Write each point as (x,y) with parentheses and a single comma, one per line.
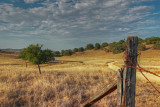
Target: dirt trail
(151,77)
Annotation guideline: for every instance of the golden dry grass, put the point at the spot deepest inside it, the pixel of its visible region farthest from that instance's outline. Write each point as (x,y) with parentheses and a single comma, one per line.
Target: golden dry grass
(68,80)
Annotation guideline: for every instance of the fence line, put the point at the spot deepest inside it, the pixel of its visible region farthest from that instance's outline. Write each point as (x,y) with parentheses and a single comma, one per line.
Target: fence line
(135,65)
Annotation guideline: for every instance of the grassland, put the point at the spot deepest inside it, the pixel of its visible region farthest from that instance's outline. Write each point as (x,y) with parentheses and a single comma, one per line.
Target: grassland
(68,80)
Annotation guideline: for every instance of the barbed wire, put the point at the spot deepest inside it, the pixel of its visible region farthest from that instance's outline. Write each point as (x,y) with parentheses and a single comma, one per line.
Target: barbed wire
(134,65)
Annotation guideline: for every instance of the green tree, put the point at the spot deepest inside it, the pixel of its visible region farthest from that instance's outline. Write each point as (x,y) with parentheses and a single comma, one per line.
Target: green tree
(156,46)
(68,52)
(140,40)
(75,50)
(62,52)
(89,46)
(81,49)
(35,55)
(97,46)
(117,47)
(47,55)
(152,40)
(104,44)
(57,54)
(141,47)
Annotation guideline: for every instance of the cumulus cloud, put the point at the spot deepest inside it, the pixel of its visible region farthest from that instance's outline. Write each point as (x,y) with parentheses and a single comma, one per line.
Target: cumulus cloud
(76,18)
(30,1)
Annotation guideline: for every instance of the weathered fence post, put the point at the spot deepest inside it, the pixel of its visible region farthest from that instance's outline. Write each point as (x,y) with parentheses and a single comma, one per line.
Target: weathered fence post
(119,87)
(39,68)
(26,64)
(126,89)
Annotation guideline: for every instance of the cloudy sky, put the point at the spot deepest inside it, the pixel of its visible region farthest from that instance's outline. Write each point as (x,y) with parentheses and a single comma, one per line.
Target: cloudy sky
(64,24)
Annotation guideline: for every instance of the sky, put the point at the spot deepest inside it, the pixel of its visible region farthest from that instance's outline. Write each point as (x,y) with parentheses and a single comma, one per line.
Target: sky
(68,24)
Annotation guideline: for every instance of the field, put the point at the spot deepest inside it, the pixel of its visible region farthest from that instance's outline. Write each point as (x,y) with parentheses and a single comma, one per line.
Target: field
(68,80)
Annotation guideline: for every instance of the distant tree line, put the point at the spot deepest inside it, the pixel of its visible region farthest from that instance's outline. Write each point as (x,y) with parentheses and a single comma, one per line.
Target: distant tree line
(115,47)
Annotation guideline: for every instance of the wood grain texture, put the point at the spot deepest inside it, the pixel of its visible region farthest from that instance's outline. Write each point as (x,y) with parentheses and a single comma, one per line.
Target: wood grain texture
(129,75)
(105,91)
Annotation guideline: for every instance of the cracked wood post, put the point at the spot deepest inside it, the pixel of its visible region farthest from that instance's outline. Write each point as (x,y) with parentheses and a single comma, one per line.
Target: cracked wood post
(129,74)
(39,67)
(26,64)
(119,87)
(105,91)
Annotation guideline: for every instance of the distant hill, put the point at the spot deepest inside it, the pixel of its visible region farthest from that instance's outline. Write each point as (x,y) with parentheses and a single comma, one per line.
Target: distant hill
(11,50)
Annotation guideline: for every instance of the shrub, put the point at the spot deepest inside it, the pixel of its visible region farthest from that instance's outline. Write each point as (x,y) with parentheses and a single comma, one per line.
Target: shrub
(47,55)
(68,52)
(142,47)
(117,47)
(152,40)
(89,46)
(156,46)
(140,40)
(34,54)
(57,54)
(97,46)
(62,52)
(81,49)
(75,50)
(104,44)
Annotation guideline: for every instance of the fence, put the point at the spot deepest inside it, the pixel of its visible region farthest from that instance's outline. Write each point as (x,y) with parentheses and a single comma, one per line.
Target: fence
(125,82)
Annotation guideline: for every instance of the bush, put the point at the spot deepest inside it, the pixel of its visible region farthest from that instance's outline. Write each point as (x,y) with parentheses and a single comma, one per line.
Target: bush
(104,44)
(140,40)
(34,54)
(97,46)
(156,46)
(152,40)
(62,52)
(68,52)
(89,46)
(75,50)
(81,49)
(117,47)
(141,47)
(57,54)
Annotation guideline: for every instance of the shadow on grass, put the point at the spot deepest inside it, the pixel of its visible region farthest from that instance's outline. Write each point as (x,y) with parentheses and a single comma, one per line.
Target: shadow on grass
(64,61)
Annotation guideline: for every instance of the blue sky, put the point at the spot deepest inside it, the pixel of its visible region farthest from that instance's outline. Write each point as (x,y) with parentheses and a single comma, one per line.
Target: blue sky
(66,24)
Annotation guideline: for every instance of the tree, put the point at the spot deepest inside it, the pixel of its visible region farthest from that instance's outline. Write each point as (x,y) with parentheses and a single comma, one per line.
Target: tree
(97,46)
(62,52)
(68,52)
(140,40)
(47,55)
(104,44)
(75,50)
(117,47)
(89,46)
(152,40)
(156,46)
(57,54)
(141,47)
(35,55)
(81,49)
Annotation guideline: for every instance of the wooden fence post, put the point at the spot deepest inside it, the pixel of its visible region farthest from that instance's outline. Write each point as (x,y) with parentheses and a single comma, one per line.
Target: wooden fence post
(39,68)
(129,74)
(119,87)
(26,64)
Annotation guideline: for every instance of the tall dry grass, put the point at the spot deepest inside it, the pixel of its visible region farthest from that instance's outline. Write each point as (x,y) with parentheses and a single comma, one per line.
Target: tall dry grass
(65,82)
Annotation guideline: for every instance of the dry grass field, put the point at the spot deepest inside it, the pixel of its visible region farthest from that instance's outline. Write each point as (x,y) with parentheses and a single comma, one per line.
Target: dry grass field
(68,80)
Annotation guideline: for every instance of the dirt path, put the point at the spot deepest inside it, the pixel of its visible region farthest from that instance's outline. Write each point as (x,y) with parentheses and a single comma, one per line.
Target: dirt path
(151,77)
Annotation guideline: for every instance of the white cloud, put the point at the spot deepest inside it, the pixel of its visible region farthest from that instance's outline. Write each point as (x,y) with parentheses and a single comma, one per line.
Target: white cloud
(30,1)
(112,3)
(139,8)
(89,18)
